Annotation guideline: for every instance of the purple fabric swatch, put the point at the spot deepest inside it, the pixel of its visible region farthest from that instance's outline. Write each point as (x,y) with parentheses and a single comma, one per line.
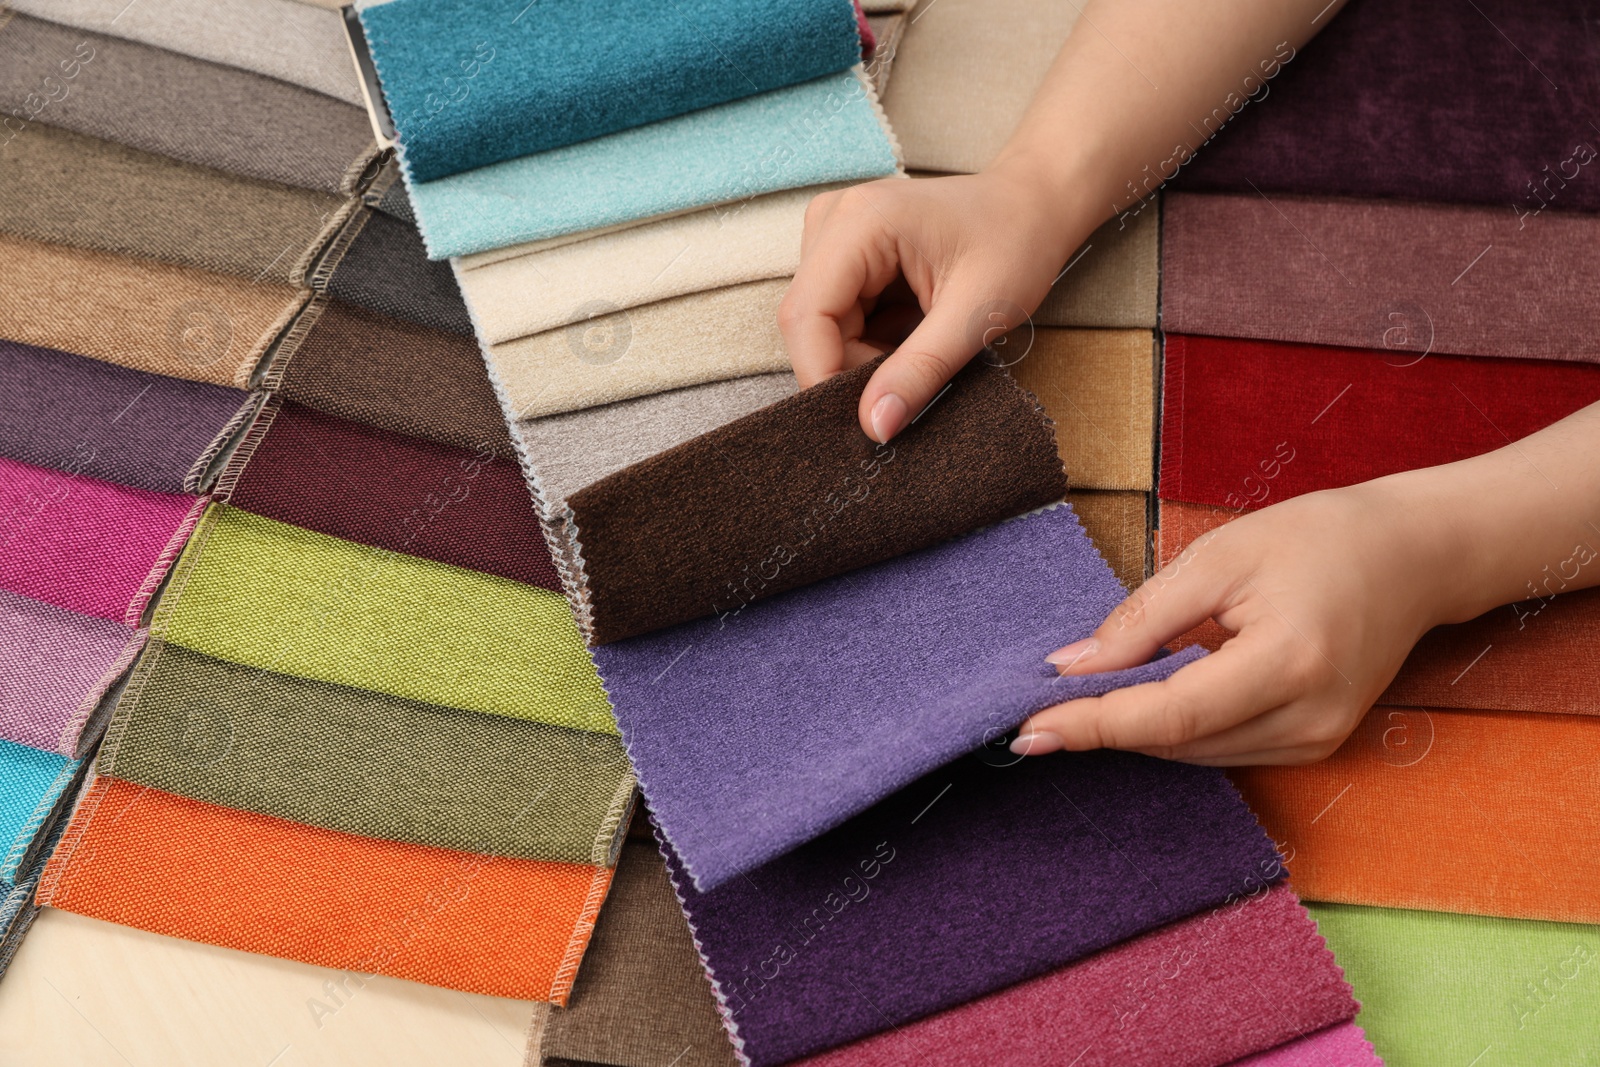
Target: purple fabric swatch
(753,733)
(978,876)
(82,416)
(58,664)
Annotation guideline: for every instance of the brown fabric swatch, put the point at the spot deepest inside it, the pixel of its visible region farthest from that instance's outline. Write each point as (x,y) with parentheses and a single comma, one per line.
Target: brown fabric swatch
(139,313)
(69,189)
(392,374)
(1118,523)
(231,119)
(641,998)
(798,489)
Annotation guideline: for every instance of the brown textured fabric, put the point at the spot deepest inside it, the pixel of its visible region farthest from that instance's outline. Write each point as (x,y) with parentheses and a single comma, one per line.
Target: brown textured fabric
(1119,525)
(69,189)
(641,998)
(392,374)
(797,488)
(139,313)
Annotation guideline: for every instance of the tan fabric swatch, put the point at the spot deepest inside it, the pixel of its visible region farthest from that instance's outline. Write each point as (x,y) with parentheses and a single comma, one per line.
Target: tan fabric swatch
(139,313)
(66,188)
(688,340)
(1119,524)
(887,29)
(880,7)
(1099,388)
(964,74)
(1112,280)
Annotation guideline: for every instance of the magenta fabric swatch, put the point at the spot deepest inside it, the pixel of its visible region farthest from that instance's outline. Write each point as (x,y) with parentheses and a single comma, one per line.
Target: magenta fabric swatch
(1345,1045)
(86,545)
(58,666)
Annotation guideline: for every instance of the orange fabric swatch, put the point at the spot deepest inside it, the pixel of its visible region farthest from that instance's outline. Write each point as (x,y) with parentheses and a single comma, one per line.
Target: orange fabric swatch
(480,924)
(1534,656)
(1483,813)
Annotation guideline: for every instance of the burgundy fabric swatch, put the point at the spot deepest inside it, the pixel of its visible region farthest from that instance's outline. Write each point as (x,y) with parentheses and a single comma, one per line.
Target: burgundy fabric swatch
(82,416)
(976,877)
(405,494)
(1345,1045)
(1404,277)
(1425,100)
(1240,978)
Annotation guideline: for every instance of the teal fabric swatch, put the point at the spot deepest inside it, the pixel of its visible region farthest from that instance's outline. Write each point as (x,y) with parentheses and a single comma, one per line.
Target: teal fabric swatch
(31,782)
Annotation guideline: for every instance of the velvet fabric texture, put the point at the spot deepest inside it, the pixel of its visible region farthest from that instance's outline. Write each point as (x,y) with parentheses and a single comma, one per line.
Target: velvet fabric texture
(1505,800)
(1119,525)
(151,860)
(234,120)
(1413,102)
(1408,278)
(32,784)
(890,917)
(827,130)
(747,732)
(1344,1045)
(812,484)
(385,269)
(1240,978)
(81,416)
(1098,387)
(458,83)
(1112,280)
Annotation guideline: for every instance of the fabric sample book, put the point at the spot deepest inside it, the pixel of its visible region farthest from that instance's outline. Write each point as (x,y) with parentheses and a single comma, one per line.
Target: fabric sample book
(380,264)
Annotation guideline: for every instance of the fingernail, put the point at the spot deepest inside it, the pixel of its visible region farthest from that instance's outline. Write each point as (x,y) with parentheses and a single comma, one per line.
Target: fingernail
(1038,743)
(888,416)
(1074,653)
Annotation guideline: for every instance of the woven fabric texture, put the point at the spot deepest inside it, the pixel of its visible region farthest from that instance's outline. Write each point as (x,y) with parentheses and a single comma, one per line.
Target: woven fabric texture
(804,478)
(747,732)
(82,416)
(1119,525)
(385,269)
(1438,988)
(65,188)
(31,784)
(367,763)
(827,130)
(1344,1045)
(481,924)
(266,594)
(458,81)
(1240,978)
(233,120)
(1506,810)
(891,917)
(404,494)
(59,664)
(88,546)
(1404,277)
(392,374)
(138,313)
(1112,280)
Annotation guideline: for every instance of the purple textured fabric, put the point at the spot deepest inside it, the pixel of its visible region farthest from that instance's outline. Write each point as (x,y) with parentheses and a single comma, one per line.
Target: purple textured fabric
(756,731)
(58,664)
(79,415)
(976,877)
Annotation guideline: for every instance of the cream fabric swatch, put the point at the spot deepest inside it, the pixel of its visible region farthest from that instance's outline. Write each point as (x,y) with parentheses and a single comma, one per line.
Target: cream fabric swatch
(1112,280)
(964,74)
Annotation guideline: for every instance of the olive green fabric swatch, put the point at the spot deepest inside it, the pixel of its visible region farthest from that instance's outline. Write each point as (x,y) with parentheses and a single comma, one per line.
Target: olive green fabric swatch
(270,595)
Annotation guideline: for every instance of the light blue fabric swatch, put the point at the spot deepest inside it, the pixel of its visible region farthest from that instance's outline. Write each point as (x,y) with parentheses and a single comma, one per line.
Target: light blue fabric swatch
(31,782)
(826,130)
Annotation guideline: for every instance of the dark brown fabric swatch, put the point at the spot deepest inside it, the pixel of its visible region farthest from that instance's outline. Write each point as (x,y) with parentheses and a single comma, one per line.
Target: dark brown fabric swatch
(795,493)
(385,269)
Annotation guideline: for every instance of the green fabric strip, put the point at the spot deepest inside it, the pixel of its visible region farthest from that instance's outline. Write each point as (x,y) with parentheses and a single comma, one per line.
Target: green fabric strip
(270,595)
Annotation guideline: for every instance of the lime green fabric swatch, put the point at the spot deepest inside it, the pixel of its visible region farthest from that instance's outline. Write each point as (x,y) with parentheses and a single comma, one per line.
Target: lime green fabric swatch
(266,594)
(1468,989)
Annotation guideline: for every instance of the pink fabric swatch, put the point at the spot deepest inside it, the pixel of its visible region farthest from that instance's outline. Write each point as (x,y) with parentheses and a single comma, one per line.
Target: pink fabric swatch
(58,664)
(86,545)
(1345,1045)
(1245,976)
(869,43)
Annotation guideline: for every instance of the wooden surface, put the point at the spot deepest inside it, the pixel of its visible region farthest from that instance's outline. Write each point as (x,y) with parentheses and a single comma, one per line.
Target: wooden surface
(85,992)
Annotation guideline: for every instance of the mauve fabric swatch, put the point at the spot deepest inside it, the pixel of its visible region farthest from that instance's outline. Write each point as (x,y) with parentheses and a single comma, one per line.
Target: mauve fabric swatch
(59,664)
(82,416)
(385,269)
(1344,1045)
(1425,101)
(892,916)
(754,733)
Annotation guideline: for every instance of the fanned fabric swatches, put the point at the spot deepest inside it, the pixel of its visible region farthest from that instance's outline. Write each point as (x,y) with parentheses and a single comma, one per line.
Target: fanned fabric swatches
(82,416)
(1499,816)
(1413,102)
(1344,1045)
(234,120)
(827,130)
(891,917)
(383,267)
(481,924)
(784,719)
(458,74)
(1243,977)
(1405,277)
(33,785)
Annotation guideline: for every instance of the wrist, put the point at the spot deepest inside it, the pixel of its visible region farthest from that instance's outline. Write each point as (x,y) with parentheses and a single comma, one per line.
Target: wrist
(1060,189)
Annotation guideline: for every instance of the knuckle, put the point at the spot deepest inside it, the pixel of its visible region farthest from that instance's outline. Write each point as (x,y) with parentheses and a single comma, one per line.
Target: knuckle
(792,311)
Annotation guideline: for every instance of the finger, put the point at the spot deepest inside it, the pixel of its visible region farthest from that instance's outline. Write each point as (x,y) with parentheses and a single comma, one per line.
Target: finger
(1309,729)
(816,217)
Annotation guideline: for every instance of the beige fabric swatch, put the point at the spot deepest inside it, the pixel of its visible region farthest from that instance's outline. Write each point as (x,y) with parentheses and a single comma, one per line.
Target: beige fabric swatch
(887,29)
(139,313)
(687,340)
(1099,388)
(883,7)
(1118,522)
(1112,280)
(964,74)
